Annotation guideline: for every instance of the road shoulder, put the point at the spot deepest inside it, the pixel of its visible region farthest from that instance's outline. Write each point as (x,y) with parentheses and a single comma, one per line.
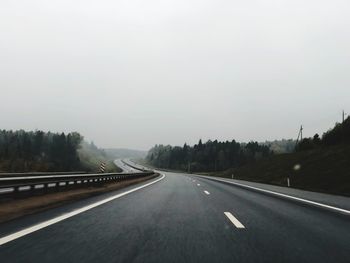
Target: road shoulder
(341,202)
(15,208)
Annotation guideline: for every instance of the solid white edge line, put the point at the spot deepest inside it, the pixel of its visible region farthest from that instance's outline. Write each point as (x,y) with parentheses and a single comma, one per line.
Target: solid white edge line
(284,195)
(234,220)
(26,231)
(206,192)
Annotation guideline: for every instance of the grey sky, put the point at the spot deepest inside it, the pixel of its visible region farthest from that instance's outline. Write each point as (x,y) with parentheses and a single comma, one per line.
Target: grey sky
(134,73)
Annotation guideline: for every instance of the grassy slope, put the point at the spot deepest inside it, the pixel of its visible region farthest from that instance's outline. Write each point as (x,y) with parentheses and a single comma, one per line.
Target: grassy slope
(322,170)
(91,159)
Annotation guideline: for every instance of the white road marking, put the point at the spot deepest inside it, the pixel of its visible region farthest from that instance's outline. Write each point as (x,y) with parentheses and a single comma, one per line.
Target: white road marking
(234,220)
(198,185)
(26,231)
(206,192)
(344,211)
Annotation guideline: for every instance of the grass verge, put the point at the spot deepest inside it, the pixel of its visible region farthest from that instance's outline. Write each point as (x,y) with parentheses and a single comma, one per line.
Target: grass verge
(324,170)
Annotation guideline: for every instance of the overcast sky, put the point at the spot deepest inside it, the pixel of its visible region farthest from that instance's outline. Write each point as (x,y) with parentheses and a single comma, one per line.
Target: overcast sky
(134,73)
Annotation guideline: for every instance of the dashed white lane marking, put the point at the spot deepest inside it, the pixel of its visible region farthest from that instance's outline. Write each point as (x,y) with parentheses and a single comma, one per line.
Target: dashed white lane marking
(198,184)
(206,192)
(26,231)
(341,210)
(234,220)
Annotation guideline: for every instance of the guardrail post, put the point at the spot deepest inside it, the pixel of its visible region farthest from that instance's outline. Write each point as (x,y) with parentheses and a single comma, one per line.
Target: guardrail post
(46,187)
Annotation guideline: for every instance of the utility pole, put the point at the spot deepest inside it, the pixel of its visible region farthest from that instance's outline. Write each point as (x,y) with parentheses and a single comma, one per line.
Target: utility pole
(300,134)
(343,116)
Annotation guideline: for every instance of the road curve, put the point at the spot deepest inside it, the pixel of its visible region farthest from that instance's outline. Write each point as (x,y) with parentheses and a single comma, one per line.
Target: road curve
(184,218)
(125,168)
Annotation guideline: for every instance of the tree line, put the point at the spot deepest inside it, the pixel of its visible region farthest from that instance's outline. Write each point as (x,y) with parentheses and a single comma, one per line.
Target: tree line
(210,156)
(218,156)
(39,151)
(340,134)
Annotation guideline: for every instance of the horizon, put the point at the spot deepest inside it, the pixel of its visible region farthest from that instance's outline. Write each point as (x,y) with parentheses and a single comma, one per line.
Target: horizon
(165,144)
(135,74)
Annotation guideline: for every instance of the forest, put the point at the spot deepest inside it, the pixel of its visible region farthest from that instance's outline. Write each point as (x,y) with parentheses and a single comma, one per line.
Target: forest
(338,135)
(209,156)
(22,151)
(215,156)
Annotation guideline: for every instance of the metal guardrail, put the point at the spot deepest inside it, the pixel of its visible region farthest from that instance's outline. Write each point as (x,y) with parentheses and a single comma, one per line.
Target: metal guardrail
(135,167)
(15,185)
(2,175)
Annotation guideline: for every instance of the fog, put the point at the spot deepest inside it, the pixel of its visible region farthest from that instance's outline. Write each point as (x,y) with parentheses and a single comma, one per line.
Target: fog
(134,73)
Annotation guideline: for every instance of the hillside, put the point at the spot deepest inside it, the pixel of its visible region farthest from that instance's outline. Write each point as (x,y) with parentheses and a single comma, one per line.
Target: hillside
(324,164)
(91,157)
(38,151)
(120,153)
(323,170)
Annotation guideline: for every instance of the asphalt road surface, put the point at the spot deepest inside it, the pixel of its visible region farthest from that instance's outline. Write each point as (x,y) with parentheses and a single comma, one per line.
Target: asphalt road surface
(125,168)
(181,218)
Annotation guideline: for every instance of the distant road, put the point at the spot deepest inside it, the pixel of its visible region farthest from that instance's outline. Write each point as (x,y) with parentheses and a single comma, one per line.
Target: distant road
(125,168)
(183,218)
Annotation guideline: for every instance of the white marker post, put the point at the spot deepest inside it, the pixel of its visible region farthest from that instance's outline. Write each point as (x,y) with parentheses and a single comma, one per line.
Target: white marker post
(288,182)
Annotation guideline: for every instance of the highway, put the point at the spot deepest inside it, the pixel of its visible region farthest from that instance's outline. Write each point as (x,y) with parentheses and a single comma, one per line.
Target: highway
(179,218)
(125,168)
